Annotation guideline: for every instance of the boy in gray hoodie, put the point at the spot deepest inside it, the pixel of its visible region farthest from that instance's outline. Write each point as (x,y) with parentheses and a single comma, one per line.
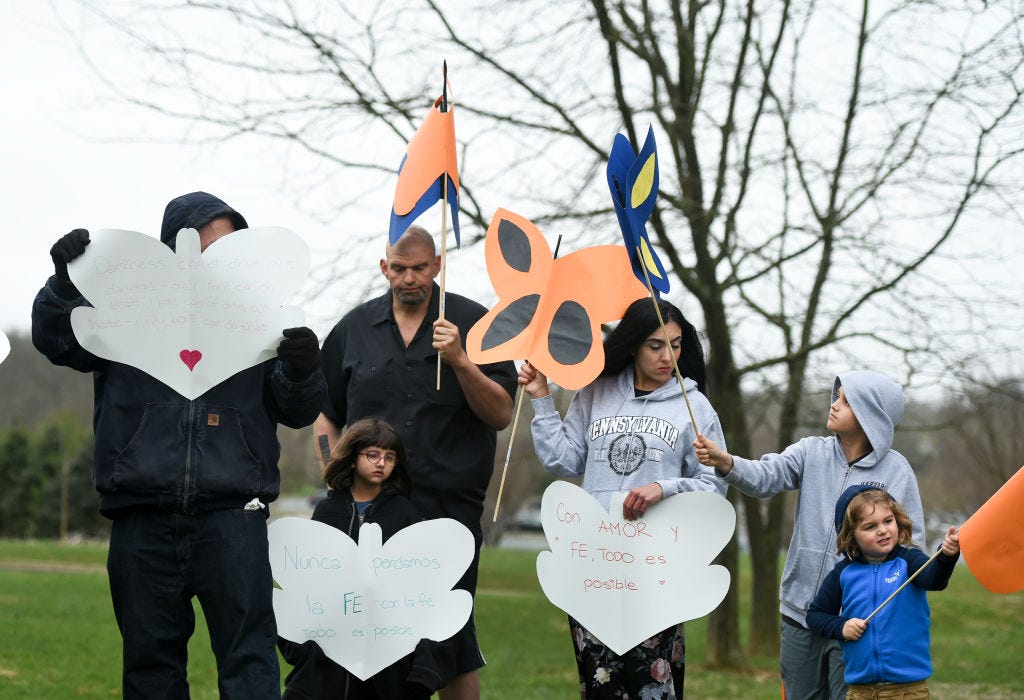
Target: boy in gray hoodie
(866,407)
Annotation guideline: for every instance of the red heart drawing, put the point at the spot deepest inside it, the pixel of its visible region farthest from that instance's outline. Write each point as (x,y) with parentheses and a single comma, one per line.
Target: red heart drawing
(191,358)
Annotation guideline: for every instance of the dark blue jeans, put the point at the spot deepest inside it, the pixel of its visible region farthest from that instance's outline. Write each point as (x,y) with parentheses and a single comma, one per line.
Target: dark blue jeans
(159,561)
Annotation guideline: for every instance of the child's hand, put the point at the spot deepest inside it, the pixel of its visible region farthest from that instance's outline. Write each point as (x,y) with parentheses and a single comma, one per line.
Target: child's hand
(853,629)
(951,543)
(711,455)
(533,380)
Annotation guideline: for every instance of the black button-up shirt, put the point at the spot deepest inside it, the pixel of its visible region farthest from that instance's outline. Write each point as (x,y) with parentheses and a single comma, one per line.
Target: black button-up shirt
(370,372)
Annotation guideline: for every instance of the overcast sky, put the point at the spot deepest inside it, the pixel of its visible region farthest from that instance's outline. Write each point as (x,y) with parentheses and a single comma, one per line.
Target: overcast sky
(64,171)
(59,177)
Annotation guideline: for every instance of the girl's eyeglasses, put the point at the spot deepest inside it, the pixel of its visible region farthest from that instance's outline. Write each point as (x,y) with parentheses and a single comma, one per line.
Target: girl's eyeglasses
(376,456)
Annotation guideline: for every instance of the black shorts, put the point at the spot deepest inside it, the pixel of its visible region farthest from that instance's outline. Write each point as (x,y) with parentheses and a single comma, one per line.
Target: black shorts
(437,663)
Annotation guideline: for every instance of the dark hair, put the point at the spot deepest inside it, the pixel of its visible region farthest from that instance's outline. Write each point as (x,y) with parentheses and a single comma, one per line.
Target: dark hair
(368,432)
(636,326)
(846,542)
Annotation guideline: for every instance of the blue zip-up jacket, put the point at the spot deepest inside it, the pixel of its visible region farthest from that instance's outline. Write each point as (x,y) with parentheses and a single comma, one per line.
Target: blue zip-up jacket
(895,647)
(156,449)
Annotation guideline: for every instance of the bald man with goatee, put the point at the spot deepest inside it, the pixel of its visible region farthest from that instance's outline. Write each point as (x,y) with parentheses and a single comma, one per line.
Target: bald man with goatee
(381,360)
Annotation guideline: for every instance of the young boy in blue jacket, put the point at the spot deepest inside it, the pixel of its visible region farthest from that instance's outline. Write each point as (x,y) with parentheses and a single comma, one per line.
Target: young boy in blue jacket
(891,651)
(866,407)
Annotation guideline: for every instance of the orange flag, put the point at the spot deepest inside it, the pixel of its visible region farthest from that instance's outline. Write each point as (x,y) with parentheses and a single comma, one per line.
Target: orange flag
(992,540)
(430,158)
(550,311)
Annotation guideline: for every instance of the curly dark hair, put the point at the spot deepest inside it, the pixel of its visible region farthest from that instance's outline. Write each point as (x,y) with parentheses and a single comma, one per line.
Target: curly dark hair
(637,324)
(846,542)
(339,473)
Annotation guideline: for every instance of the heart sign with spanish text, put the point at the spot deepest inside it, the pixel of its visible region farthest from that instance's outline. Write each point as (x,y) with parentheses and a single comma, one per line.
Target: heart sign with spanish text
(187,317)
(368,604)
(627,580)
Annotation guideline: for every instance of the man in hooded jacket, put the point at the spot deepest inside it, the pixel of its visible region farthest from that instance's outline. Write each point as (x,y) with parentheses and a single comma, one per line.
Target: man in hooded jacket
(186,483)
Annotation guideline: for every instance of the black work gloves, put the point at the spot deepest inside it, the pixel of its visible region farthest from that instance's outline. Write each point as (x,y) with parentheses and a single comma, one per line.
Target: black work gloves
(299,352)
(66,249)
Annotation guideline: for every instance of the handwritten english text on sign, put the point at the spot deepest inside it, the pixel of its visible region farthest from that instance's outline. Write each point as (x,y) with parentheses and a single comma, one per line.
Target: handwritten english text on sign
(186,317)
(627,580)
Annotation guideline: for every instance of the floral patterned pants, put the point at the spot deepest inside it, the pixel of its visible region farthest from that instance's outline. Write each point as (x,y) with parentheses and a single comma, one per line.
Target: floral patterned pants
(652,670)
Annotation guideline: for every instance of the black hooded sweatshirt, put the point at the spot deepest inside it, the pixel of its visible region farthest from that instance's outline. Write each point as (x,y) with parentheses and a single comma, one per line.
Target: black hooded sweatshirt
(156,449)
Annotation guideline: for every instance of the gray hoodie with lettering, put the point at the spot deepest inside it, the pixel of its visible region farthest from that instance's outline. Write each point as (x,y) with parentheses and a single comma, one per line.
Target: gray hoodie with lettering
(817,466)
(616,440)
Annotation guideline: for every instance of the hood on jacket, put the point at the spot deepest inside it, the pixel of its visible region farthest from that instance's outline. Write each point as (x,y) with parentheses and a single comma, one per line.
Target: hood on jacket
(876,401)
(844,501)
(195,210)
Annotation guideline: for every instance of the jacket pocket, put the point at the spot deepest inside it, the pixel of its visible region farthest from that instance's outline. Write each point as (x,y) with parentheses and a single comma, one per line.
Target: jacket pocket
(153,458)
(800,580)
(223,462)
(371,384)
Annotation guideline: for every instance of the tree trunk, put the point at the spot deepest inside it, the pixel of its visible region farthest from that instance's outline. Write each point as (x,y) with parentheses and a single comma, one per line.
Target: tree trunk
(724,649)
(763,535)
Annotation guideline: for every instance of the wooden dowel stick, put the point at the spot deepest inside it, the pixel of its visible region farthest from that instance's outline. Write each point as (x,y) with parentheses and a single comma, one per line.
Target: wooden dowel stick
(672,354)
(444,248)
(508,454)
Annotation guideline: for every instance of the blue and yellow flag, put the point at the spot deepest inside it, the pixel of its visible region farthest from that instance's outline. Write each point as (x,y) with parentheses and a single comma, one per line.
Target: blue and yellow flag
(633,182)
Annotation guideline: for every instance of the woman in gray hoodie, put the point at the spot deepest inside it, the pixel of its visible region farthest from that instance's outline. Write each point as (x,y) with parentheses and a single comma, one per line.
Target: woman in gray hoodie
(629,430)
(865,408)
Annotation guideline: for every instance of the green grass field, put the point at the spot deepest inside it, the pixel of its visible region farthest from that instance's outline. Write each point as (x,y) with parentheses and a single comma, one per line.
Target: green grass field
(60,639)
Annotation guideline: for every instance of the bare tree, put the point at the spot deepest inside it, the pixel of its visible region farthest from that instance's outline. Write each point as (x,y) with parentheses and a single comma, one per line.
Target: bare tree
(985,445)
(821,161)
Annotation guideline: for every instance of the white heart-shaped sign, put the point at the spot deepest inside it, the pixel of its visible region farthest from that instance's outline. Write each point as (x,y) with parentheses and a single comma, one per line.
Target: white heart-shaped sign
(187,318)
(368,605)
(627,580)
(5,346)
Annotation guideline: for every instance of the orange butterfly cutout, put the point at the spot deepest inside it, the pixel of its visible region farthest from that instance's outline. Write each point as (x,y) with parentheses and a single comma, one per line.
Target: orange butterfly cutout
(550,311)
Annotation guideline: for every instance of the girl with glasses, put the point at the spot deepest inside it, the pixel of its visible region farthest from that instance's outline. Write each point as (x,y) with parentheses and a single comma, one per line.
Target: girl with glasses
(367,481)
